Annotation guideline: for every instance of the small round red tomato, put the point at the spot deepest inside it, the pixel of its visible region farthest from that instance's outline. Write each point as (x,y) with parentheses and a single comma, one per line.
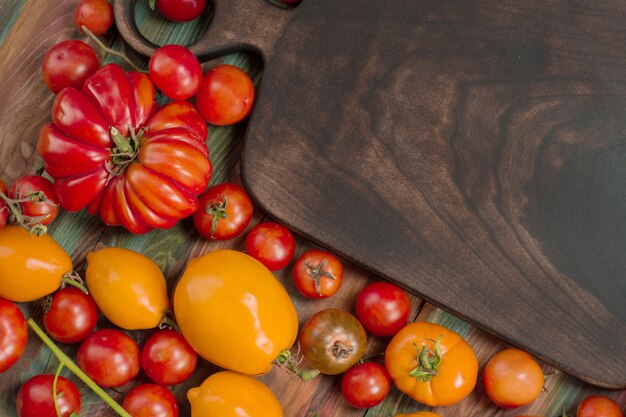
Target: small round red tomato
(383,308)
(181,10)
(176,71)
(225,96)
(95,15)
(317,274)
(110,357)
(167,358)
(332,340)
(150,400)
(36,198)
(599,406)
(68,64)
(13,334)
(513,378)
(365,385)
(225,212)
(272,244)
(35,397)
(70,315)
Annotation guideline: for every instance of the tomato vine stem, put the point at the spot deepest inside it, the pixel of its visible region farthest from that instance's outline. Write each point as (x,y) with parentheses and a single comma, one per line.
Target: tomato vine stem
(108,50)
(30,223)
(55,396)
(69,364)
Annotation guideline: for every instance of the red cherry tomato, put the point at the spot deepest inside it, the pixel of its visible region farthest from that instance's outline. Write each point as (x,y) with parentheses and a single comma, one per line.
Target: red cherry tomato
(225,96)
(513,378)
(365,385)
(272,244)
(68,64)
(317,274)
(599,406)
(95,15)
(176,71)
(37,198)
(225,212)
(167,358)
(150,400)
(13,334)
(70,316)
(35,397)
(109,357)
(383,308)
(181,10)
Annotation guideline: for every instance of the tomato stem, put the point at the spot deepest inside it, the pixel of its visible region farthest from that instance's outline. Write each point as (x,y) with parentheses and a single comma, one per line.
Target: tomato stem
(108,50)
(74,280)
(317,272)
(286,360)
(218,211)
(67,362)
(168,321)
(30,223)
(428,361)
(54,390)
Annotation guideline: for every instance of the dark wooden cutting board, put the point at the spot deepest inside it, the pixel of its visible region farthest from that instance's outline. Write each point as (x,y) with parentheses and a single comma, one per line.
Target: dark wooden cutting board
(472,151)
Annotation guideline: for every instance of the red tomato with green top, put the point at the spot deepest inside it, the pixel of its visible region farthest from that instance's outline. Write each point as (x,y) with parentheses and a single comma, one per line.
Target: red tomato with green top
(111,150)
(36,198)
(317,274)
(225,212)
(272,244)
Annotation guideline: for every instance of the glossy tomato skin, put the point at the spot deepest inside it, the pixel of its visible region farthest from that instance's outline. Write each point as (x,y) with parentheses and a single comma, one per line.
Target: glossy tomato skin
(332,341)
(246,318)
(181,10)
(226,95)
(70,316)
(35,397)
(225,212)
(365,385)
(68,64)
(110,357)
(272,244)
(89,150)
(599,406)
(513,378)
(13,334)
(317,274)
(44,208)
(176,71)
(167,358)
(96,15)
(383,308)
(230,394)
(31,267)
(128,287)
(150,400)
(454,378)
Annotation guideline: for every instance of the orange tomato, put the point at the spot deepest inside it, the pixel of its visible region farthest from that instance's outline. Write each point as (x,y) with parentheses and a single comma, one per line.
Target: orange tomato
(513,378)
(419,414)
(431,364)
(234,312)
(31,267)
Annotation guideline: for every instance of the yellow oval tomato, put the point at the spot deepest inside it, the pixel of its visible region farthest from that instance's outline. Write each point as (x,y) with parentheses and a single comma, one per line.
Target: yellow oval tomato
(128,287)
(31,266)
(230,394)
(431,364)
(419,414)
(234,312)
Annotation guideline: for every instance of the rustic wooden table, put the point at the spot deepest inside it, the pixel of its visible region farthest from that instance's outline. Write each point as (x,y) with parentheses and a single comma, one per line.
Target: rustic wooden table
(28,28)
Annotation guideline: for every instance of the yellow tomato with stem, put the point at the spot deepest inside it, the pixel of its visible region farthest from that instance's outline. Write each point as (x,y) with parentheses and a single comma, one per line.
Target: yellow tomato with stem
(231,394)
(31,266)
(234,312)
(128,287)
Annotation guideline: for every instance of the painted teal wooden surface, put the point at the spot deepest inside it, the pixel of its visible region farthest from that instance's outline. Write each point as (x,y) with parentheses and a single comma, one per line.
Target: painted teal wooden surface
(27,29)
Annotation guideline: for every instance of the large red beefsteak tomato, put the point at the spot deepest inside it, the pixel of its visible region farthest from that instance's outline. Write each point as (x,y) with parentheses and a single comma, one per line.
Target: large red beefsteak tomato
(111,149)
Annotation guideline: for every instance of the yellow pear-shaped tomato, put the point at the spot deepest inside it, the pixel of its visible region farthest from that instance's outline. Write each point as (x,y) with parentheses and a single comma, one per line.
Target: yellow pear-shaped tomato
(128,287)
(230,394)
(31,266)
(234,312)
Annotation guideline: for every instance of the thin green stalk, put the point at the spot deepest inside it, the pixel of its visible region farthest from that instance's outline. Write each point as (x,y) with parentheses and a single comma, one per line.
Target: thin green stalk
(54,390)
(69,364)
(109,50)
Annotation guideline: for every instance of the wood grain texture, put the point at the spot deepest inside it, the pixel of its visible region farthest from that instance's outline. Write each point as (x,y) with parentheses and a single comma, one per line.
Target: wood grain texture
(472,151)
(79,233)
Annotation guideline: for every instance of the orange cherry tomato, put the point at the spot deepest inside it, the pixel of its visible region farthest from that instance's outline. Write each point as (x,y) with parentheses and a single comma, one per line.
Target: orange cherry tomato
(234,312)
(431,364)
(599,406)
(31,266)
(513,378)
